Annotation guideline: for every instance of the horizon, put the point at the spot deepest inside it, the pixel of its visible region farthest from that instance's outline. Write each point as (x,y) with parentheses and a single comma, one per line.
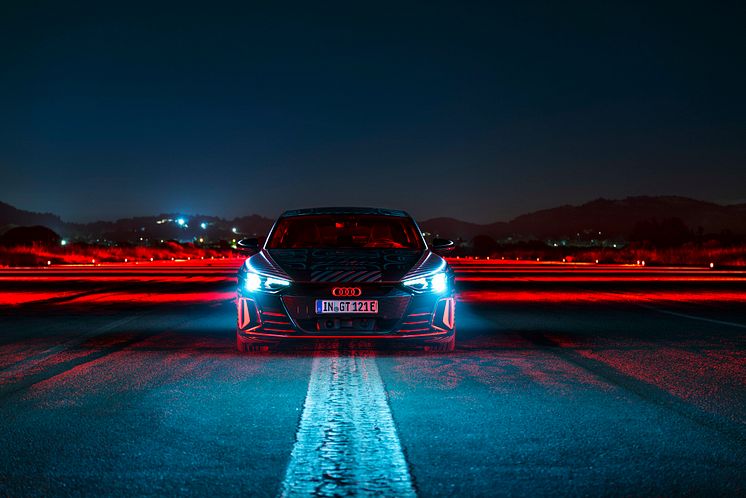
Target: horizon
(420,219)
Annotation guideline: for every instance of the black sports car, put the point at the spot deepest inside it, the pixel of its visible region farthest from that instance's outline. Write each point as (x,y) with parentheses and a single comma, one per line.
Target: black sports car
(353,273)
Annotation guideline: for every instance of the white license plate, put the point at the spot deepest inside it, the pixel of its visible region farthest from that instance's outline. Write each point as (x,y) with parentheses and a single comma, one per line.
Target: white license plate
(346,306)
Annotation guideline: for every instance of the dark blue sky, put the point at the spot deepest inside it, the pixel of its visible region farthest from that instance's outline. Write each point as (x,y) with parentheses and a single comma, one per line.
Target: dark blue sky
(477,111)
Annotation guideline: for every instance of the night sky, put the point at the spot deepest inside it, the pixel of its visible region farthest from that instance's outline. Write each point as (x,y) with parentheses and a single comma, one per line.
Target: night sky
(475,111)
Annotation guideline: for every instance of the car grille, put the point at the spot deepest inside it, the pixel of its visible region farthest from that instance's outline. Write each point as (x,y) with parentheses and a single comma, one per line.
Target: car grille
(392,305)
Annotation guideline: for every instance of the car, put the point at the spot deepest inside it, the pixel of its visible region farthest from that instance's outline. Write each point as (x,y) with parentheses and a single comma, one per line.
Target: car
(345,273)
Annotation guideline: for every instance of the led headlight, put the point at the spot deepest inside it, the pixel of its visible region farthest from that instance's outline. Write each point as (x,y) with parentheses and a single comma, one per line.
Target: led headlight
(255,282)
(262,283)
(437,283)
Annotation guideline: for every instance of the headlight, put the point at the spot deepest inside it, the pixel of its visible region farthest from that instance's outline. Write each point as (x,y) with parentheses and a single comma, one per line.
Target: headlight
(255,282)
(437,283)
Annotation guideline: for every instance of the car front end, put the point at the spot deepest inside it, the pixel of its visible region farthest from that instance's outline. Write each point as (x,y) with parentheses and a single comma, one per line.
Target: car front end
(311,290)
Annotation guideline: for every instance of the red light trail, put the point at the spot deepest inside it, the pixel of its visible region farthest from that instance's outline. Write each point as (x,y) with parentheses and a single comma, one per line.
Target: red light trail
(168,282)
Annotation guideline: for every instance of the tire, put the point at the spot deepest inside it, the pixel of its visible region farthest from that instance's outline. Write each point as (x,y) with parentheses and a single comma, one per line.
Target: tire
(448,346)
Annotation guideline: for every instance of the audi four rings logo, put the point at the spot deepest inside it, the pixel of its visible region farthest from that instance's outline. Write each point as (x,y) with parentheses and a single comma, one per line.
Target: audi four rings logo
(346,291)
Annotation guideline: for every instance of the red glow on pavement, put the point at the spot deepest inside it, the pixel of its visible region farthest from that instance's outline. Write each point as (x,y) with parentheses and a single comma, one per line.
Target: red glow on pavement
(167,359)
(696,376)
(548,296)
(590,277)
(154,298)
(168,277)
(102,298)
(33,360)
(499,363)
(18,298)
(130,277)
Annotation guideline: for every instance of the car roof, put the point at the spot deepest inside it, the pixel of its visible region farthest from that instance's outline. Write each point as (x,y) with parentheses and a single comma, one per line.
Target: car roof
(345,210)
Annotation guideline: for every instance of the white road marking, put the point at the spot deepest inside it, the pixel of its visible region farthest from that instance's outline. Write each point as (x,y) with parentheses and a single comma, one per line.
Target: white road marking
(346,442)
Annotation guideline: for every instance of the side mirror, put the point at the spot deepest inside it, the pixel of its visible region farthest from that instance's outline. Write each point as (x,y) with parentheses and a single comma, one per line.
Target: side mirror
(248,246)
(442,245)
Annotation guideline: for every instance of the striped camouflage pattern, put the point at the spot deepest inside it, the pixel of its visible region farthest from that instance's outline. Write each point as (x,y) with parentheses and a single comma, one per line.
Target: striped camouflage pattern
(350,276)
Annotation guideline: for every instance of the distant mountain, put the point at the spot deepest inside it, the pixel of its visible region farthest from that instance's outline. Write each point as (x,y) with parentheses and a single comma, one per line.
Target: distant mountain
(163,226)
(11,216)
(614,218)
(618,217)
(462,230)
(166,226)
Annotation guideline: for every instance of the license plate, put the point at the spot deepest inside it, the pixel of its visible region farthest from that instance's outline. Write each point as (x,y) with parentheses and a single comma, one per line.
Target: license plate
(346,306)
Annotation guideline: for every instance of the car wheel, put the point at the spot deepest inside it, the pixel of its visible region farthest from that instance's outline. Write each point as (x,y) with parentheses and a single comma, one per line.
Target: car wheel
(447,346)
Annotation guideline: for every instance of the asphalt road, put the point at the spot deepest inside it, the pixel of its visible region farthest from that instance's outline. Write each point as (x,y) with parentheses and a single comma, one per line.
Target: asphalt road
(569,381)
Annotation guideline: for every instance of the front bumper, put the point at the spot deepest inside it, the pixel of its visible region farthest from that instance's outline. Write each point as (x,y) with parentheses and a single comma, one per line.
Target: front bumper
(291,315)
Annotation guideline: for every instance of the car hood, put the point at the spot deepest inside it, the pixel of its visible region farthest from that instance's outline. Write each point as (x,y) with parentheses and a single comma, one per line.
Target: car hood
(344,265)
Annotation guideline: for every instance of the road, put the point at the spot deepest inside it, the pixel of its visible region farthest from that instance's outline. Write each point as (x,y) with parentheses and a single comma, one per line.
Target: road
(567,379)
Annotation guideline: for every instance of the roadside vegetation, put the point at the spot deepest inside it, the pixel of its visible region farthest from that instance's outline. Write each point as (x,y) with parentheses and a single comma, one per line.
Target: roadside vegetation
(666,242)
(689,254)
(669,242)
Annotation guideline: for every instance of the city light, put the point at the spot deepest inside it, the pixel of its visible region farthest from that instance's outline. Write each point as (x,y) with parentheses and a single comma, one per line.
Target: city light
(63,242)
(234,230)
(181,222)
(203,225)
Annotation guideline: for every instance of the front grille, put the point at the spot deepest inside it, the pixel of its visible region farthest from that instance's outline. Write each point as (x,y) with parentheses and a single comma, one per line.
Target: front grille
(392,305)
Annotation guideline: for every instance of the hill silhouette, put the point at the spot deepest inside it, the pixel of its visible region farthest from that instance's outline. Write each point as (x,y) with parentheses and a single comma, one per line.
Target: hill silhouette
(614,218)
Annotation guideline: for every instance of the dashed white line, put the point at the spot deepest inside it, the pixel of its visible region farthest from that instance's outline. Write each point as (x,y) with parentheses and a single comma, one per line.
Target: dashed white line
(346,443)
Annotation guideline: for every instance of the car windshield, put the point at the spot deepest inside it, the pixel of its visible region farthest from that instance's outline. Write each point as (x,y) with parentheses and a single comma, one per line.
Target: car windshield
(345,231)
